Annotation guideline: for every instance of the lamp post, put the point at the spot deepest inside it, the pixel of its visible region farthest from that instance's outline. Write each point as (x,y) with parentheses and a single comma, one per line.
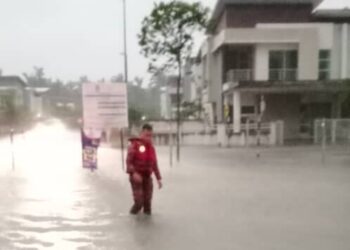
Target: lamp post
(262,110)
(125,44)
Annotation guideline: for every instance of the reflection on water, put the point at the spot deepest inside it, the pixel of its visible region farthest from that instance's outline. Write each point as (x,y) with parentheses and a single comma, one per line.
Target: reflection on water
(49,201)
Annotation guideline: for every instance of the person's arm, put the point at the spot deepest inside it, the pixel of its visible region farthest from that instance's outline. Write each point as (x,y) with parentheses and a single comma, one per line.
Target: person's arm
(157,172)
(130,159)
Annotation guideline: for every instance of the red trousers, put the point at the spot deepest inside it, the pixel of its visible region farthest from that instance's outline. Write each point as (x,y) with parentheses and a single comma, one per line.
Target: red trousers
(142,193)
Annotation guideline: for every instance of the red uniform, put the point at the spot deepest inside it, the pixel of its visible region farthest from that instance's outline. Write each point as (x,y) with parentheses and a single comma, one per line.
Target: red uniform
(142,160)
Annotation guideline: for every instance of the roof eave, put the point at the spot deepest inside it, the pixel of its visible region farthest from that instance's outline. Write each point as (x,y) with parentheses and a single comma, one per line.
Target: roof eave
(219,7)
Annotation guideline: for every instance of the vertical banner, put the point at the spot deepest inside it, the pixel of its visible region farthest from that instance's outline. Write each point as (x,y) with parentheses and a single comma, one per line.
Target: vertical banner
(90,147)
(105,106)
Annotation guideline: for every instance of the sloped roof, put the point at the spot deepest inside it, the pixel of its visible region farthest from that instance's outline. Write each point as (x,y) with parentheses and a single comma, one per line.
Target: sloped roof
(332,13)
(11,80)
(267,1)
(221,4)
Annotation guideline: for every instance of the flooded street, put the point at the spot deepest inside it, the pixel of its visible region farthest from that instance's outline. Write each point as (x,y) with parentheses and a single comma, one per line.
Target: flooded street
(216,199)
(50,202)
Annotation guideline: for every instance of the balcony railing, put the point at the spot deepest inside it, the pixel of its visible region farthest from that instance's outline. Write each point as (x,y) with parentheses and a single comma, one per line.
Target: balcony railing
(283,74)
(237,75)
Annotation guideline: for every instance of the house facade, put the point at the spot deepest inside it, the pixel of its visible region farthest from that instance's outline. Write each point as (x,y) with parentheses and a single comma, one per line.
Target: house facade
(275,60)
(12,89)
(168,97)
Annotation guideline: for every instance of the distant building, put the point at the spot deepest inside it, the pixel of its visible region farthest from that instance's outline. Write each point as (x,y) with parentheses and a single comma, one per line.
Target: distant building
(169,97)
(13,89)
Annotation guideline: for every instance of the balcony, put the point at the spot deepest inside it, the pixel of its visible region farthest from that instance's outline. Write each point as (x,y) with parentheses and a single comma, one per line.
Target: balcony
(283,74)
(234,76)
(237,75)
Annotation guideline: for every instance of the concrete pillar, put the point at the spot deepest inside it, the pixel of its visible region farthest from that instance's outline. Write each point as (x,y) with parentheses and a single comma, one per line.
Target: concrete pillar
(222,136)
(344,54)
(236,112)
(242,139)
(280,135)
(336,106)
(316,131)
(247,127)
(273,134)
(334,131)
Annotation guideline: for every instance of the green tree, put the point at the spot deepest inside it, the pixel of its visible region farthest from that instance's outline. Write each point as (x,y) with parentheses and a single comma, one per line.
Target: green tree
(138,81)
(166,38)
(118,78)
(135,116)
(37,78)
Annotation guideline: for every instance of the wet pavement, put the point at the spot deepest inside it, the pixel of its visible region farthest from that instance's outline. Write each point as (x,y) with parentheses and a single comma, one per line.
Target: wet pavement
(216,199)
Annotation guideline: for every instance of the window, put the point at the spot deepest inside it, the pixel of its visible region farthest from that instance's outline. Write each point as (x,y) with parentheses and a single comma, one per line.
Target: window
(248,110)
(239,58)
(324,65)
(283,65)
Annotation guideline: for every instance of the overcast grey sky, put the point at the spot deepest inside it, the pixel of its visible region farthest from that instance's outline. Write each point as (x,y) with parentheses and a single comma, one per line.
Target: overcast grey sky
(70,38)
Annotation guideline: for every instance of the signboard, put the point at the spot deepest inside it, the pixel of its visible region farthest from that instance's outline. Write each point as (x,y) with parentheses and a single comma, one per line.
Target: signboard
(90,147)
(105,106)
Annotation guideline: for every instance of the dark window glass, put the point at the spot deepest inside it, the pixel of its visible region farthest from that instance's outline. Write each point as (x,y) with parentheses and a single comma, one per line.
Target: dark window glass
(324,65)
(248,110)
(283,65)
(291,59)
(323,75)
(276,60)
(325,54)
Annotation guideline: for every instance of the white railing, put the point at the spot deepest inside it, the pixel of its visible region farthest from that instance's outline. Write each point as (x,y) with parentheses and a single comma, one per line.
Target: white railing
(252,126)
(332,131)
(237,75)
(283,74)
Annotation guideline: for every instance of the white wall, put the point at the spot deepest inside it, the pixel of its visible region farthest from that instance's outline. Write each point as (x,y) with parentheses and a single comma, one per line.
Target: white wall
(345,59)
(324,30)
(165,109)
(339,57)
(336,53)
(261,69)
(330,36)
(306,38)
(199,140)
(186,126)
(36,104)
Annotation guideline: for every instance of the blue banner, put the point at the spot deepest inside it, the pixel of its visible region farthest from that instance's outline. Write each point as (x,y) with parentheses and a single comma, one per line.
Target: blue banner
(89,150)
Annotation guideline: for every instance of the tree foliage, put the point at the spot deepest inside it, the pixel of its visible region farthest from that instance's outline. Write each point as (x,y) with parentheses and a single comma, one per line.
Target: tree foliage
(37,78)
(135,116)
(167,34)
(118,78)
(191,110)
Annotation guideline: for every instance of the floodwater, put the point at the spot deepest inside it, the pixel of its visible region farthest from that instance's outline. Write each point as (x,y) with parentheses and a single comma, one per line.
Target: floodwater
(216,198)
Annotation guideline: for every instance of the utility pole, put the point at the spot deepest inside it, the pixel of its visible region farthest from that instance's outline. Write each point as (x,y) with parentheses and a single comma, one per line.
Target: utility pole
(125,45)
(126,79)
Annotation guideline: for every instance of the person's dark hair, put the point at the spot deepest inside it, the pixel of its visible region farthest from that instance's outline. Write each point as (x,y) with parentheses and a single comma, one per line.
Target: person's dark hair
(147,127)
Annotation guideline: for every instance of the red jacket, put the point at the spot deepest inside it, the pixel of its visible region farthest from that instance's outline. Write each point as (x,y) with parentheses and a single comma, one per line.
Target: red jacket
(142,158)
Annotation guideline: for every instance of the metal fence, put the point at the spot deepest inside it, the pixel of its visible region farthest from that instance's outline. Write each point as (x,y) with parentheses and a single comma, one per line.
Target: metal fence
(332,131)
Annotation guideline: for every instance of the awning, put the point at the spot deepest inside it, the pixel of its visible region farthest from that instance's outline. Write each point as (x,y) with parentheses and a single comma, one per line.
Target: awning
(331,86)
